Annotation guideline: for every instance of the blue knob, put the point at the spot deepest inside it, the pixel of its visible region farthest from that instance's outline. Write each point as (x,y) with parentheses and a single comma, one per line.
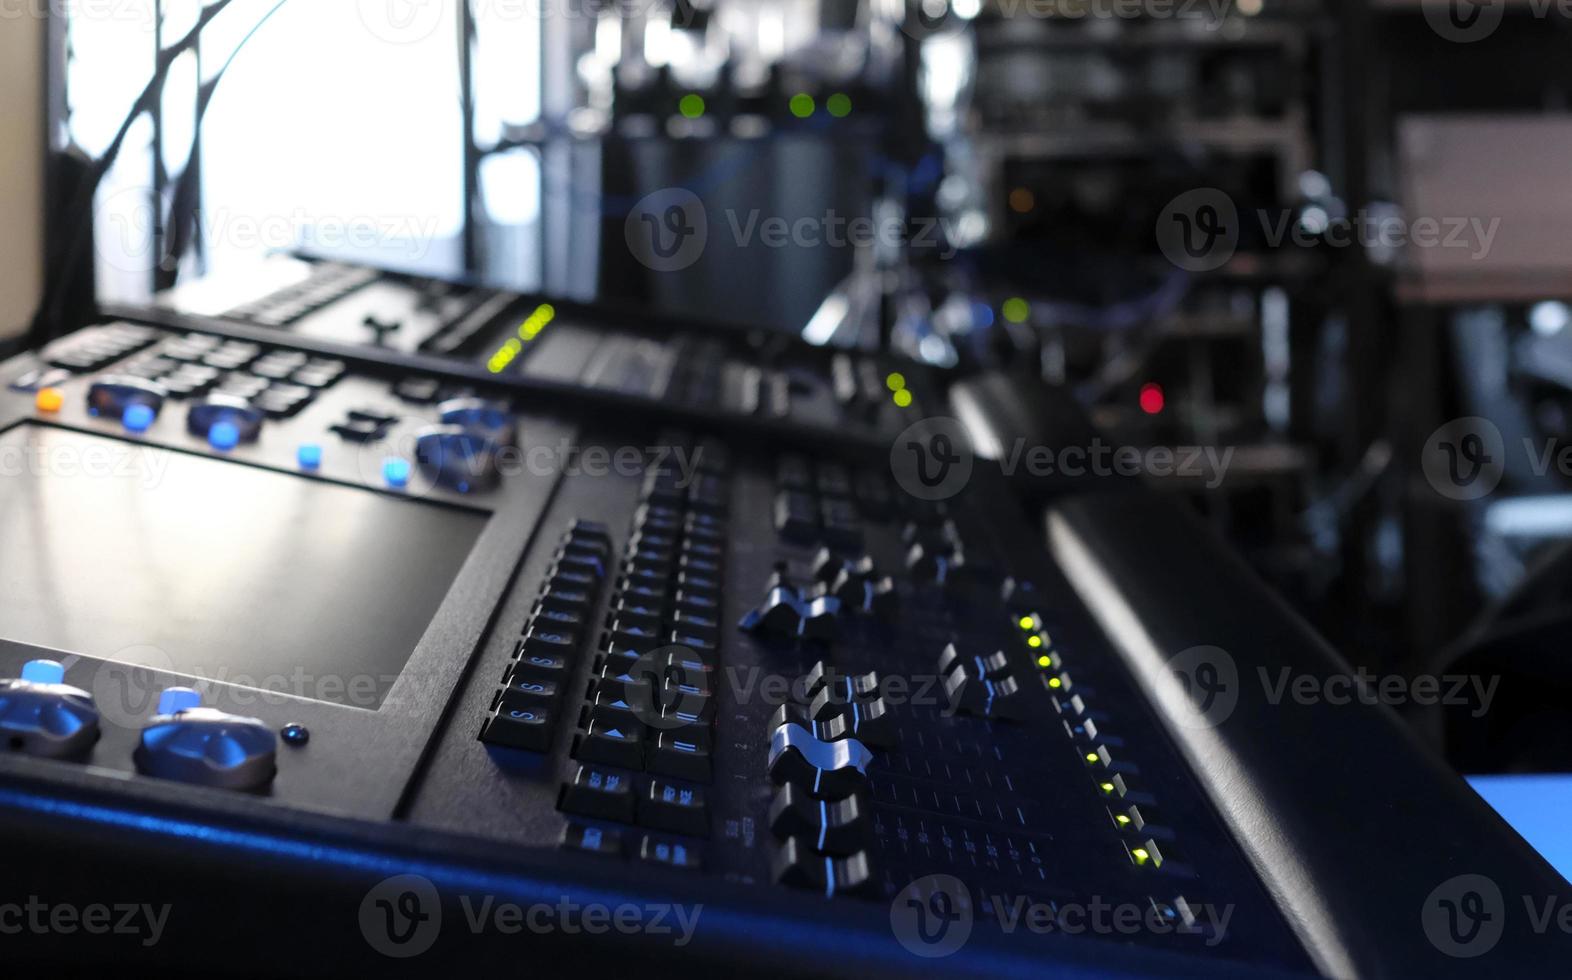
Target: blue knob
(43,672)
(395,471)
(309,455)
(177,699)
(223,436)
(138,417)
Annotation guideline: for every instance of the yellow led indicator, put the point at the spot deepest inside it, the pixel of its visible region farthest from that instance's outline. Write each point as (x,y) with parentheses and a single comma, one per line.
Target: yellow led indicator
(1045,661)
(1055,682)
(1106,787)
(1028,622)
(49,399)
(903,398)
(1122,820)
(1092,757)
(1141,855)
(1034,641)
(528,331)
(896,381)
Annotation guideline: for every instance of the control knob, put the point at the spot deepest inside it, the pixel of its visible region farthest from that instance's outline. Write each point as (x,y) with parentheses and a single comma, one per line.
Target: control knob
(186,742)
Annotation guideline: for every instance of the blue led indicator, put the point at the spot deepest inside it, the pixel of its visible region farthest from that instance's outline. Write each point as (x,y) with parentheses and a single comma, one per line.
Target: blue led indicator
(310,455)
(223,436)
(43,672)
(137,417)
(395,471)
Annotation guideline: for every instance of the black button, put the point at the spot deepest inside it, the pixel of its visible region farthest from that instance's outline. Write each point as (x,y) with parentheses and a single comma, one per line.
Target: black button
(518,728)
(591,840)
(540,666)
(544,639)
(611,744)
(565,619)
(673,755)
(595,792)
(359,431)
(565,597)
(674,807)
(591,531)
(529,694)
(672,854)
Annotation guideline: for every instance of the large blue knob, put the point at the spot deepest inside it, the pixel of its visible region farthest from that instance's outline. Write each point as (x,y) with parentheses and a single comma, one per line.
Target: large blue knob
(457,458)
(41,715)
(494,420)
(240,419)
(110,396)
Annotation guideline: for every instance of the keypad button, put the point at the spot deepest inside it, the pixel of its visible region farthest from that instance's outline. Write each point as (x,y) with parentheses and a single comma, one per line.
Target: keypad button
(673,755)
(672,806)
(597,792)
(547,640)
(519,728)
(671,854)
(539,666)
(528,693)
(612,744)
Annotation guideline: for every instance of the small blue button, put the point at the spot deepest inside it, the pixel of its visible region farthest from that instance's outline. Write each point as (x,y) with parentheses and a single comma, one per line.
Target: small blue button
(309,455)
(223,436)
(138,417)
(43,672)
(176,699)
(295,733)
(395,471)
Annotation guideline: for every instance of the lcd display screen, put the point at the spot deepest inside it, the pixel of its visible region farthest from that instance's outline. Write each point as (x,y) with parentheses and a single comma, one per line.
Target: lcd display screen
(218,570)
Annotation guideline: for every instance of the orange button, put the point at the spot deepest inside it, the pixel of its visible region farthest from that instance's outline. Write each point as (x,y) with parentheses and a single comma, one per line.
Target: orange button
(49,399)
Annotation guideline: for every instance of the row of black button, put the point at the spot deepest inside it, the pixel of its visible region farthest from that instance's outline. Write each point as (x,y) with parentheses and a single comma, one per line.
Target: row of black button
(95,348)
(523,712)
(651,848)
(646,729)
(327,283)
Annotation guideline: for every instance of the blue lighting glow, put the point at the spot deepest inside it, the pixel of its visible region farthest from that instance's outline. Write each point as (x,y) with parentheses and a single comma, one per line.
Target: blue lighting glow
(137,417)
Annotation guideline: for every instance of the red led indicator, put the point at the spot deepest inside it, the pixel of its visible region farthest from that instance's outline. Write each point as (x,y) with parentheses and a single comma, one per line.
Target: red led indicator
(1152,398)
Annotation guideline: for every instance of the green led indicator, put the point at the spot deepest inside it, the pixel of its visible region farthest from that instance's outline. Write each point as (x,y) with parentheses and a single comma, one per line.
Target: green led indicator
(1016,310)
(692,105)
(802,105)
(839,105)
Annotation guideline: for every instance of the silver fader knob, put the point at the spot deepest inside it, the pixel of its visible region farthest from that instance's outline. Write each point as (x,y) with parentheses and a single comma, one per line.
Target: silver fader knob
(192,744)
(41,715)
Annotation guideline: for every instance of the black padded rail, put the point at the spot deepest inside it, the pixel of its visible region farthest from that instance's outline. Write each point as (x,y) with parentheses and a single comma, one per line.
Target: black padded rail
(1351,823)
